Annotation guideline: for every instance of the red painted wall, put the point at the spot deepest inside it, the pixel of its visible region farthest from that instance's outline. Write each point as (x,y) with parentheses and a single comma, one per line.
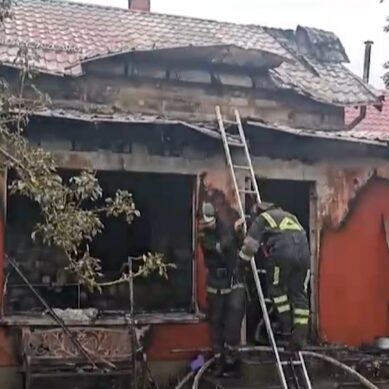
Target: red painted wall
(3,194)
(168,338)
(354,272)
(2,257)
(201,279)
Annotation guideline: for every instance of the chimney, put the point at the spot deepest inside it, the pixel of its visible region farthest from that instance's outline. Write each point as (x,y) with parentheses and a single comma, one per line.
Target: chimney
(139,5)
(365,77)
(366,63)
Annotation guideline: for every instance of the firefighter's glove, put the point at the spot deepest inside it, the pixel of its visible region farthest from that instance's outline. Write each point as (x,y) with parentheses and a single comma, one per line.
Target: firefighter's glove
(240,231)
(249,248)
(239,225)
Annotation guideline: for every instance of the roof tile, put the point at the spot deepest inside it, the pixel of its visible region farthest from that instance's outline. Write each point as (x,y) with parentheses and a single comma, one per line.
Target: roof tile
(68,33)
(374,125)
(325,81)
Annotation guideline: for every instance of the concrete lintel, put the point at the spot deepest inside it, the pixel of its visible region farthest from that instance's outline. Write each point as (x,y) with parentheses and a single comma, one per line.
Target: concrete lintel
(135,162)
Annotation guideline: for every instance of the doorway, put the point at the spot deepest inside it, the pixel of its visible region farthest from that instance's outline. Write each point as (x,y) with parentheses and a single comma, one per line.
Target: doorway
(294,197)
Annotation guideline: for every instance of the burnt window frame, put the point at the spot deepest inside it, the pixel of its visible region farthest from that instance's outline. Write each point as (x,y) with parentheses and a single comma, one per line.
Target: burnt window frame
(192,308)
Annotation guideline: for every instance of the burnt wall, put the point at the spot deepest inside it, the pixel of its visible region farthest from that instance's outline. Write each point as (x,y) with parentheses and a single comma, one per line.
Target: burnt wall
(114,146)
(308,149)
(333,179)
(169,332)
(183,94)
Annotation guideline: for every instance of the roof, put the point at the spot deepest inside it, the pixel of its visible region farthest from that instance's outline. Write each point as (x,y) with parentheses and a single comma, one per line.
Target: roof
(209,128)
(376,123)
(64,32)
(325,80)
(324,45)
(62,35)
(342,135)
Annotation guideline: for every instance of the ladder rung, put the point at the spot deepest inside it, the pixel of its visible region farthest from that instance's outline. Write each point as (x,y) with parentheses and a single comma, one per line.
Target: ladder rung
(291,362)
(240,140)
(241,167)
(234,140)
(229,122)
(248,191)
(235,144)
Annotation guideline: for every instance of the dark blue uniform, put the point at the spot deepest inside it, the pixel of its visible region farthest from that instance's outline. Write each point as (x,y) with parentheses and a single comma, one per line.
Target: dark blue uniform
(286,248)
(225,288)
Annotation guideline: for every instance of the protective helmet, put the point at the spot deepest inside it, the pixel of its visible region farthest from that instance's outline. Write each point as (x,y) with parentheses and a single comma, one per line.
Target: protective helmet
(258,208)
(209,214)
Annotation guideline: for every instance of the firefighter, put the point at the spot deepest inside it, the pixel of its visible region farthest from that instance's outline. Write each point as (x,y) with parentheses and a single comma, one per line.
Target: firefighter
(225,288)
(285,246)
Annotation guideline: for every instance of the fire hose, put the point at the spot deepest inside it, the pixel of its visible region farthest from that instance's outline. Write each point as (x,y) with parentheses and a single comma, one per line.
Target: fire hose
(186,379)
(201,371)
(364,381)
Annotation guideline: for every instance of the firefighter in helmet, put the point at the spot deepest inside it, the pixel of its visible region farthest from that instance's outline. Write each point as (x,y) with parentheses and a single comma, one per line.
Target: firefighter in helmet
(225,288)
(285,246)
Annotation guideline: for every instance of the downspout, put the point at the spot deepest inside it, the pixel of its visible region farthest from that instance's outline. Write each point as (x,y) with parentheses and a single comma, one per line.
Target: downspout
(366,76)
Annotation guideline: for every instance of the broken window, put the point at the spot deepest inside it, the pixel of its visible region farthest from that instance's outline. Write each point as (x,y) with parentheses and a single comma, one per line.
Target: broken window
(165,226)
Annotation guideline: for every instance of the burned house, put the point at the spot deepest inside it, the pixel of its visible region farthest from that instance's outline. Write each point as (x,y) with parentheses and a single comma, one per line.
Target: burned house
(133,96)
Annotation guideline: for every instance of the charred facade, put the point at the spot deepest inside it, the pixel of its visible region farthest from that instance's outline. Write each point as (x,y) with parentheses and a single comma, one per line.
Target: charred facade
(144,119)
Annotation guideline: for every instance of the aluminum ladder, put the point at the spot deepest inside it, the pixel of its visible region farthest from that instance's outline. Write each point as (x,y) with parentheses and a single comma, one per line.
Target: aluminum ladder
(239,140)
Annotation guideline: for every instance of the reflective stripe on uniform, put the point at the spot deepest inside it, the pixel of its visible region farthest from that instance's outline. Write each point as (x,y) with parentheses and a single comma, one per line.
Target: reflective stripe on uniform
(301,321)
(283,308)
(244,256)
(306,281)
(237,286)
(276,276)
(280,299)
(269,219)
(215,291)
(211,290)
(301,312)
(290,224)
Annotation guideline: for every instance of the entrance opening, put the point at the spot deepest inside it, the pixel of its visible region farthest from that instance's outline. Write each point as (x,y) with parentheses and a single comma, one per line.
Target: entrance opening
(294,197)
(165,226)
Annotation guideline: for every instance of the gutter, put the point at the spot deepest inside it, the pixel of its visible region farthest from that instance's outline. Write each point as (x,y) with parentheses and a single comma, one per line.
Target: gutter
(366,77)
